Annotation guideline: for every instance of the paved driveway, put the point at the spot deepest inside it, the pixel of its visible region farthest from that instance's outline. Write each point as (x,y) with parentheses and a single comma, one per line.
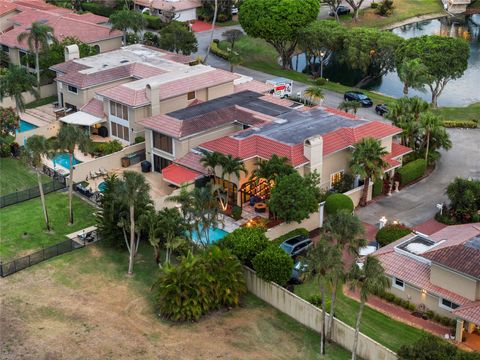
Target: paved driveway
(416,204)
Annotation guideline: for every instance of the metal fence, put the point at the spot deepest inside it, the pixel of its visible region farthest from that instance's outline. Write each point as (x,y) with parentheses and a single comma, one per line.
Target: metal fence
(11,267)
(31,193)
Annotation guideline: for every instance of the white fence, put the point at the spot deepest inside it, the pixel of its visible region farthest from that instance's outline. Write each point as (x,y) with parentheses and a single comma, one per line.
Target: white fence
(310,316)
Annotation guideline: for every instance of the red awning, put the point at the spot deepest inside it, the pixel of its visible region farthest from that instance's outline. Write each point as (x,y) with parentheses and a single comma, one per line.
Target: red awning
(178,175)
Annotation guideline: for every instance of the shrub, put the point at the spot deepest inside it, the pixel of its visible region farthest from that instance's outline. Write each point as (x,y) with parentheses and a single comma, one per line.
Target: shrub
(219,52)
(245,243)
(320,81)
(139,139)
(377,187)
(412,171)
(222,18)
(337,202)
(391,232)
(290,234)
(273,264)
(216,41)
(428,347)
(374,5)
(150,39)
(132,38)
(98,9)
(315,300)
(345,184)
(385,8)
(153,22)
(237,212)
(472,124)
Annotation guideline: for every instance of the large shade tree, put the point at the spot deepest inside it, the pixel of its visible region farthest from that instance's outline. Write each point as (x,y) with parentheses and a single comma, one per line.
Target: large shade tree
(355,5)
(15,83)
(125,20)
(278,22)
(177,37)
(445,59)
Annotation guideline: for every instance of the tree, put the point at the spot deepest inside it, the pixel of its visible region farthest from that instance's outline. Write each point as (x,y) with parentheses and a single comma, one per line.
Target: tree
(369,279)
(68,138)
(350,105)
(38,37)
(151,225)
(320,260)
(273,168)
(235,166)
(9,122)
(234,59)
(176,37)
(14,83)
(333,5)
(125,19)
(355,5)
(413,74)
(294,197)
(315,93)
(278,22)
(133,190)
(35,148)
(232,36)
(464,196)
(211,160)
(445,59)
(215,12)
(171,229)
(429,123)
(367,162)
(273,264)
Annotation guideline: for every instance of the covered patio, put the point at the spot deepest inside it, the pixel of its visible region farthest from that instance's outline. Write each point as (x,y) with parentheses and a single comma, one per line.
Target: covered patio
(467,332)
(94,124)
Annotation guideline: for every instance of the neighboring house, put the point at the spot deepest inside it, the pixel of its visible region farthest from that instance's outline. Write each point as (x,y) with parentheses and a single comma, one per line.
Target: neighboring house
(89,28)
(440,271)
(253,126)
(181,10)
(134,83)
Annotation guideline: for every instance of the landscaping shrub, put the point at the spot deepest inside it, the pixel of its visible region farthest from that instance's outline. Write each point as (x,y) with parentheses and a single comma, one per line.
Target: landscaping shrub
(471,124)
(97,9)
(236,212)
(412,171)
(377,187)
(132,38)
(374,5)
(464,196)
(315,300)
(434,348)
(391,232)
(385,8)
(321,81)
(245,243)
(139,139)
(273,264)
(219,52)
(153,22)
(345,184)
(290,234)
(105,148)
(150,39)
(337,202)
(221,18)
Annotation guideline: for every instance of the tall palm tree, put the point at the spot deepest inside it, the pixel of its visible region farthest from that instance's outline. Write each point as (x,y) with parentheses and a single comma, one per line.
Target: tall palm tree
(14,83)
(35,148)
(38,36)
(345,231)
(68,138)
(413,74)
(232,166)
(205,212)
(369,279)
(315,93)
(320,261)
(125,19)
(349,105)
(172,229)
(429,123)
(367,161)
(134,187)
(211,160)
(215,12)
(184,199)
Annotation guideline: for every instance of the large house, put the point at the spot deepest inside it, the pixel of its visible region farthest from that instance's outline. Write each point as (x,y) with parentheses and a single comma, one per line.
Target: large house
(440,271)
(180,10)
(251,126)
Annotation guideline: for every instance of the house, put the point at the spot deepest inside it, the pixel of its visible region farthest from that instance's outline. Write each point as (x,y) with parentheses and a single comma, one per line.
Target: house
(16,17)
(440,271)
(180,10)
(134,83)
(253,126)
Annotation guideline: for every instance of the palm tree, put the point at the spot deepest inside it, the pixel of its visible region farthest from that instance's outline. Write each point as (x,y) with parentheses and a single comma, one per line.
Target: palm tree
(235,166)
(367,161)
(429,122)
(171,229)
(413,74)
(125,19)
(344,230)
(14,83)
(349,105)
(68,138)
(184,199)
(35,148)
(38,37)
(149,221)
(211,160)
(320,261)
(315,93)
(133,191)
(215,11)
(205,212)
(271,169)
(369,279)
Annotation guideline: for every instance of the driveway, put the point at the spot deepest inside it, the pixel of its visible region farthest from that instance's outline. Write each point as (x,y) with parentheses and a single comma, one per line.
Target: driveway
(416,204)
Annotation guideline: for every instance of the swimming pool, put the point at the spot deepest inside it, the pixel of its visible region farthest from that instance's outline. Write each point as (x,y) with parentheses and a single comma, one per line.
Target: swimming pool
(64,160)
(215,234)
(25,126)
(102,186)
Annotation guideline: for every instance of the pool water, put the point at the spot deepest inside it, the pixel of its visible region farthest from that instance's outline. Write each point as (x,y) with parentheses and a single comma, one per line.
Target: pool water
(215,234)
(25,126)
(64,160)
(102,186)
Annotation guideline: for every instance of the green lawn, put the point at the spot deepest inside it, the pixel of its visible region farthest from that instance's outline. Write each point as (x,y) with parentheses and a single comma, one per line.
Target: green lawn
(15,176)
(40,102)
(388,332)
(27,217)
(471,112)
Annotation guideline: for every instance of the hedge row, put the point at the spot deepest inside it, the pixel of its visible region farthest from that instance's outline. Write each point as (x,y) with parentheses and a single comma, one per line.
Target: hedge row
(412,171)
(98,9)
(219,52)
(472,124)
(337,202)
(390,233)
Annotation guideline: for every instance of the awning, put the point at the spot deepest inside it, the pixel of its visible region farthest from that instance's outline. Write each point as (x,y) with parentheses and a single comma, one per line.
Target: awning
(81,118)
(178,175)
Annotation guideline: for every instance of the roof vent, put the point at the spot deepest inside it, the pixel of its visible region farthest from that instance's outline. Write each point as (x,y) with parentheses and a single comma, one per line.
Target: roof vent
(123,61)
(104,65)
(280,121)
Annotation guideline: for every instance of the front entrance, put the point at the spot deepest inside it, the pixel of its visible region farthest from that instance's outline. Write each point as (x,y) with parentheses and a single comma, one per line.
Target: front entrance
(159,163)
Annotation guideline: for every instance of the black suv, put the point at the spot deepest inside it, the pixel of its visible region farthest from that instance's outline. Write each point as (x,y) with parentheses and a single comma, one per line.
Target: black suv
(381,109)
(296,245)
(358,96)
(341,10)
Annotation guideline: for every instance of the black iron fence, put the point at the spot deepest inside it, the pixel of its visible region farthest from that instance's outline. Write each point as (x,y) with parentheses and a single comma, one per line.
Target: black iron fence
(31,193)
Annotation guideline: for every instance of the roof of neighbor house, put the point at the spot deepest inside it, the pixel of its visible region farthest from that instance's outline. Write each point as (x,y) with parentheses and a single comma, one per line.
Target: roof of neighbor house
(179,5)
(454,247)
(7,7)
(94,107)
(178,175)
(40,5)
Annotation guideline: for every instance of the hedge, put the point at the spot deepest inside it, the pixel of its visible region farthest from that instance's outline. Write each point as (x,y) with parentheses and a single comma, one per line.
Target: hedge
(219,52)
(412,171)
(153,22)
(98,9)
(245,243)
(377,187)
(337,202)
(390,233)
(472,124)
(273,264)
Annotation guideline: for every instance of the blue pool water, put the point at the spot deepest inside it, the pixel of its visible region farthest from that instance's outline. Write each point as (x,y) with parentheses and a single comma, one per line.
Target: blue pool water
(102,186)
(64,160)
(215,234)
(25,126)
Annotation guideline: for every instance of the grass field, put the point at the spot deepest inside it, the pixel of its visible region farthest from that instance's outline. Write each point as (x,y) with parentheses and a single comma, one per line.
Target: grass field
(40,102)
(82,305)
(471,112)
(386,331)
(22,226)
(16,176)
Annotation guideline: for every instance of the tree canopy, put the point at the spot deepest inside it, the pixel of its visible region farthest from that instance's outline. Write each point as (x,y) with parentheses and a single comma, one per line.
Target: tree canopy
(176,37)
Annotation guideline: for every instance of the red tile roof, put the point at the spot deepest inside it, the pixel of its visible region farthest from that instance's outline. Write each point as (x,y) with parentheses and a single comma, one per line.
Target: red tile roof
(6,7)
(469,312)
(179,175)
(397,150)
(192,161)
(462,258)
(41,5)
(126,95)
(94,107)
(67,66)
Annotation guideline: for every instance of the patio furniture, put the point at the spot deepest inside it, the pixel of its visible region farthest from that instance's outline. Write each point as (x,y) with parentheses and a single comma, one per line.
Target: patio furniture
(254,199)
(260,207)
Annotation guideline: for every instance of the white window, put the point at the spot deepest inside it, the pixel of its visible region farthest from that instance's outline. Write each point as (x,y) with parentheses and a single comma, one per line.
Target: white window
(72,89)
(119,110)
(119,131)
(398,284)
(335,178)
(447,304)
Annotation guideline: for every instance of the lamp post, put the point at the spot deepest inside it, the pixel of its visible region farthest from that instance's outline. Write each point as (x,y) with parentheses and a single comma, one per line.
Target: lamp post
(322,54)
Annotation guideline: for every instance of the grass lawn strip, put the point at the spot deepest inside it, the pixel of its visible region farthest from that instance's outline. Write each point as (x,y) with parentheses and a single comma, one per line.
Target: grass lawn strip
(16,176)
(27,217)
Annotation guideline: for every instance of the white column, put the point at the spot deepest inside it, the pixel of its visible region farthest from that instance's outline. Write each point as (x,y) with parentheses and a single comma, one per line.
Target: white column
(459,330)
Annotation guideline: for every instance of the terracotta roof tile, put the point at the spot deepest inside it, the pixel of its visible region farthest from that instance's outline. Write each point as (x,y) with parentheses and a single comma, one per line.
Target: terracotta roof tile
(126,95)
(68,66)
(6,7)
(461,258)
(469,312)
(94,107)
(192,161)
(179,175)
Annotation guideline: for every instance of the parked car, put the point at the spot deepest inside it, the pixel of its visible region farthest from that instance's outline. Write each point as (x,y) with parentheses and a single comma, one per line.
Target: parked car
(298,270)
(341,10)
(296,245)
(381,109)
(234,10)
(358,96)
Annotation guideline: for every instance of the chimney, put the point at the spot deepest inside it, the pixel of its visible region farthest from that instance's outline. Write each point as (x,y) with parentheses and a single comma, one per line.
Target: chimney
(313,151)
(153,94)
(72,52)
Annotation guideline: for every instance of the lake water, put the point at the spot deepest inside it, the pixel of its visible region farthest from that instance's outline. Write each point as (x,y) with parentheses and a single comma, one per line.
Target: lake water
(459,92)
